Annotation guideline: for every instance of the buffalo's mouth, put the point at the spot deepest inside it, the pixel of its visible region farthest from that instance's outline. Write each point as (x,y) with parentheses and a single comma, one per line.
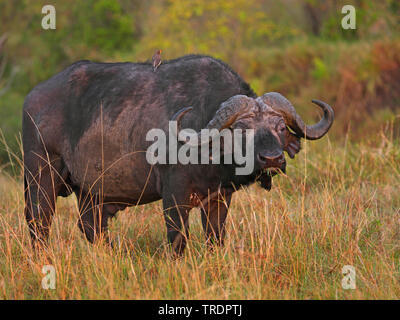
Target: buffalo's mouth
(265,175)
(273,170)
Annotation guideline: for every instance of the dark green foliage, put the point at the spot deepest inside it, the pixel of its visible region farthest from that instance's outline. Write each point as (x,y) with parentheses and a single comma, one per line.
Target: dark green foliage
(103,25)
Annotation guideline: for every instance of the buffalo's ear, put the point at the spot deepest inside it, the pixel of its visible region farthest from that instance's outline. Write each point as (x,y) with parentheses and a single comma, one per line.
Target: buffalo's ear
(292,144)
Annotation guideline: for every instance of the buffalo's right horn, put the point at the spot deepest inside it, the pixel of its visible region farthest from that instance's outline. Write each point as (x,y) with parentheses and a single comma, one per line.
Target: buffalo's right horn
(283,106)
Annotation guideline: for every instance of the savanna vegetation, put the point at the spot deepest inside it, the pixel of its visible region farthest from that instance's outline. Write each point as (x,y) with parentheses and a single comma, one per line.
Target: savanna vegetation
(338,205)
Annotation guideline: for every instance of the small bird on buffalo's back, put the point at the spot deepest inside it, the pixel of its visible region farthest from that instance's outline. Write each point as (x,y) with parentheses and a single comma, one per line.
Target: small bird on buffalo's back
(156,60)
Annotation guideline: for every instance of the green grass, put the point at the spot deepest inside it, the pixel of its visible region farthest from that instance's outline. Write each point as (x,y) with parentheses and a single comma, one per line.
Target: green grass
(338,205)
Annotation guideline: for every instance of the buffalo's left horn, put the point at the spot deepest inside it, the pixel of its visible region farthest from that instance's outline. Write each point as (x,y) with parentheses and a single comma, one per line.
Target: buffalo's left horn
(283,106)
(225,116)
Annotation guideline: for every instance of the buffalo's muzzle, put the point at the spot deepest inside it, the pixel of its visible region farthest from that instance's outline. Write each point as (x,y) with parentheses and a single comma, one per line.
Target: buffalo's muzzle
(272,161)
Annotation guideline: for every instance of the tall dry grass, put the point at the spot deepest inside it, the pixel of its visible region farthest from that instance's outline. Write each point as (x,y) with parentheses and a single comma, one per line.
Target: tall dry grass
(339,205)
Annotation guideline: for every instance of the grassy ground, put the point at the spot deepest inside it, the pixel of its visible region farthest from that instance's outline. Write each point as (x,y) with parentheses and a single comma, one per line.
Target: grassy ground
(339,205)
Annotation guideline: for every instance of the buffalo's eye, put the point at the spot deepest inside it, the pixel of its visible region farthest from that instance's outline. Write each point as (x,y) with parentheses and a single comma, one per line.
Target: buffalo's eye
(281,127)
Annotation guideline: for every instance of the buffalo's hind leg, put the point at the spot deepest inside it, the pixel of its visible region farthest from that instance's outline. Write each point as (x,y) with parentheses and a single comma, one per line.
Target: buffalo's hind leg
(93,218)
(213,216)
(42,182)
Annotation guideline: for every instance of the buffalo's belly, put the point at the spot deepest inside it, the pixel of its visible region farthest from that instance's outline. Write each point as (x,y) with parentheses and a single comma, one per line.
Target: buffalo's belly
(114,174)
(123,181)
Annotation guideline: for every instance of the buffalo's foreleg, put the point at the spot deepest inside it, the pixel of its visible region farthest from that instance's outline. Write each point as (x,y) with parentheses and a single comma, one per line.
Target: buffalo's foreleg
(213,216)
(176,215)
(93,219)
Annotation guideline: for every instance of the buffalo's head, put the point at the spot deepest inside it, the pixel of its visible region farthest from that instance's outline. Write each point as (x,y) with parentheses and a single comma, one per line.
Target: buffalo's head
(277,128)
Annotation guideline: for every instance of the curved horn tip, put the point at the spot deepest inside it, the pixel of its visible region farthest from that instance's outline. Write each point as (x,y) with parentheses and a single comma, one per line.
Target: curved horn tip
(323,105)
(320,103)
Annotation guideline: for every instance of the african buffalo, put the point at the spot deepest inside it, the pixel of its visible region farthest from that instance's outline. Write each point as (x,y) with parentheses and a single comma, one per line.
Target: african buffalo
(84,131)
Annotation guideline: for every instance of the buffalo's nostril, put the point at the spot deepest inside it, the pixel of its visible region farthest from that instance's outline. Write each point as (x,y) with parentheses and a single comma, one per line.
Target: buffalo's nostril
(267,157)
(271,160)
